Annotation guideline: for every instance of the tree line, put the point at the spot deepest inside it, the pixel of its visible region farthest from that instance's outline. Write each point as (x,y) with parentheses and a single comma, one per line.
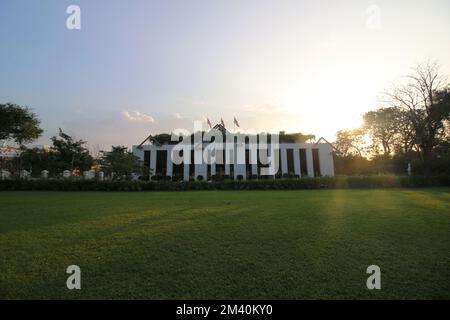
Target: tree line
(21,125)
(411,129)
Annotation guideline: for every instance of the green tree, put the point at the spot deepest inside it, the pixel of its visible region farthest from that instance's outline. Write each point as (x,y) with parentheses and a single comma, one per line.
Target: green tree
(120,162)
(35,160)
(18,123)
(70,153)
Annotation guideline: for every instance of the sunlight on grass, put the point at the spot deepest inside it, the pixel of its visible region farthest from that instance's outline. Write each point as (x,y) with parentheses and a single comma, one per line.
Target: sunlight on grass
(213,244)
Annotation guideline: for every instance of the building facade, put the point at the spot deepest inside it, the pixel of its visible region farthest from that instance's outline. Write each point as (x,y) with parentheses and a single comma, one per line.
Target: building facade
(239,160)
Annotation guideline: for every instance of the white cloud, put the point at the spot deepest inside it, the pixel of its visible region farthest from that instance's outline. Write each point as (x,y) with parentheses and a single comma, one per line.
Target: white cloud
(138,116)
(178,116)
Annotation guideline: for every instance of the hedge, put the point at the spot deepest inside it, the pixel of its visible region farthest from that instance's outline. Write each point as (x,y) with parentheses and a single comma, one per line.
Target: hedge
(379,181)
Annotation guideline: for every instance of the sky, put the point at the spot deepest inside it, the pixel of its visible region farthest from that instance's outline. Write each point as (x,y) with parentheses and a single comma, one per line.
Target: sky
(136,68)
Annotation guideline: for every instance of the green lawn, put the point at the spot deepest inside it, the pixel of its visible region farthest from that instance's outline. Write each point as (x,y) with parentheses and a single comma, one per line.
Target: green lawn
(226,245)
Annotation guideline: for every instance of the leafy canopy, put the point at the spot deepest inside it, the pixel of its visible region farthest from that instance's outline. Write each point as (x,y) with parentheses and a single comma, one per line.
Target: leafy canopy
(18,123)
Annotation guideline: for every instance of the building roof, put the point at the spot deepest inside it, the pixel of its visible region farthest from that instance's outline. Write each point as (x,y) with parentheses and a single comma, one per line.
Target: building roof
(164,138)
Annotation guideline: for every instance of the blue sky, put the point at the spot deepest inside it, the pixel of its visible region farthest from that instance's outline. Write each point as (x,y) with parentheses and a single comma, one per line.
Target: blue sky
(141,67)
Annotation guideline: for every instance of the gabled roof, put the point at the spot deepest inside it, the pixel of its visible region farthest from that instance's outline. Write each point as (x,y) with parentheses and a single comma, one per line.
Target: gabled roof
(221,128)
(326,141)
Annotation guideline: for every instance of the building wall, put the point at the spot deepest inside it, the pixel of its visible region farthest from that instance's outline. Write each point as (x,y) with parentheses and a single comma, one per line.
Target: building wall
(324,152)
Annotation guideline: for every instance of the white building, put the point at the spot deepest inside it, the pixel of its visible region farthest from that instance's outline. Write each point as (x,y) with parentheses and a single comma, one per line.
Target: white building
(240,158)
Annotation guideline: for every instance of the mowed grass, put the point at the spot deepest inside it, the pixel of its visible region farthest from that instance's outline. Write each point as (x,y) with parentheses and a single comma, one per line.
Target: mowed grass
(226,245)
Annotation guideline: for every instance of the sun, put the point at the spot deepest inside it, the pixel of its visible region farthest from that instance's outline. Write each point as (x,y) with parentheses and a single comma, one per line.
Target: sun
(330,102)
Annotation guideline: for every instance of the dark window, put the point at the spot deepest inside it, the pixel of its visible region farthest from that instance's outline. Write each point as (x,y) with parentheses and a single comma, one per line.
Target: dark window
(161,162)
(278,170)
(290,161)
(248,166)
(220,159)
(303,169)
(208,165)
(179,168)
(316,163)
(192,165)
(147,159)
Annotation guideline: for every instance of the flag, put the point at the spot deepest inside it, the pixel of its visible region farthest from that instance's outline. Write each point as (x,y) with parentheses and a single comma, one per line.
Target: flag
(209,123)
(236,122)
(223,123)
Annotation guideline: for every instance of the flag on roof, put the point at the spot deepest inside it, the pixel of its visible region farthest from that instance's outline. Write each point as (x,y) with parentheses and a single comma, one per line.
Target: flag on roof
(236,122)
(209,123)
(223,123)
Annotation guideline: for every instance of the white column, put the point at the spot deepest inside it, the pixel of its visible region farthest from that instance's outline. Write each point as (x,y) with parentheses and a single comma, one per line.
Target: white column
(201,170)
(297,162)
(253,154)
(212,162)
(309,162)
(239,160)
(153,161)
(200,167)
(326,160)
(229,159)
(187,164)
(240,170)
(186,172)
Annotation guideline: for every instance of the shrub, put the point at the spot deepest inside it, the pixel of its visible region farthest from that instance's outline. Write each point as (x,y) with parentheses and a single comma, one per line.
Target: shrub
(378,181)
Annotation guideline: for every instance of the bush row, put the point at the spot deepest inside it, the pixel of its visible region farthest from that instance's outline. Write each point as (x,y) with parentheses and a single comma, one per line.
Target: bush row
(387,181)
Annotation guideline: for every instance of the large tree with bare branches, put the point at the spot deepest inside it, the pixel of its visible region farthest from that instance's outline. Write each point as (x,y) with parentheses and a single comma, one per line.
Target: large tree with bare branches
(425,99)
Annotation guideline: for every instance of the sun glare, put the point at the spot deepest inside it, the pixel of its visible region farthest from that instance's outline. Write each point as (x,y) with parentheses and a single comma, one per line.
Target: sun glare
(334,99)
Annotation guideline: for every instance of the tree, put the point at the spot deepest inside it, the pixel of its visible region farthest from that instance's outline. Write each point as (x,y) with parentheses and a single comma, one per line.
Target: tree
(70,153)
(425,98)
(295,137)
(350,142)
(405,140)
(121,162)
(35,160)
(18,123)
(382,126)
